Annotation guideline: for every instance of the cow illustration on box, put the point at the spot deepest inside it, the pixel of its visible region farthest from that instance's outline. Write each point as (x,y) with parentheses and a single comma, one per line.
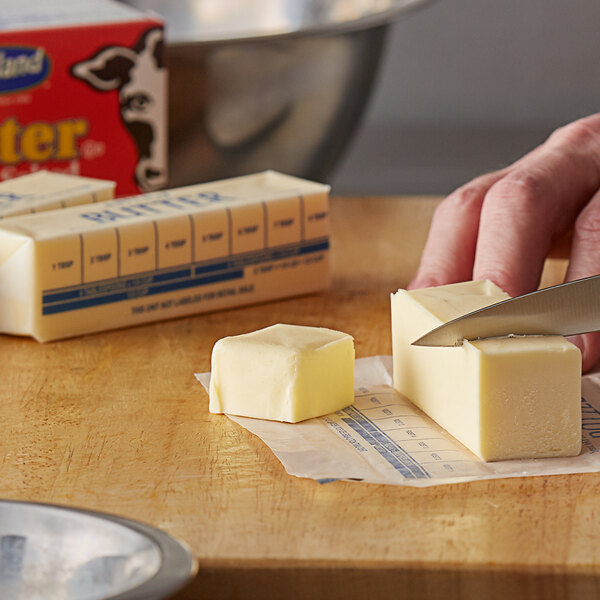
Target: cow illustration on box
(139,74)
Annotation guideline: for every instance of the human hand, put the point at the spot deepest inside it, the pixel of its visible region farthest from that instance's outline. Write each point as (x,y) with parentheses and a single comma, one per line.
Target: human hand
(501,226)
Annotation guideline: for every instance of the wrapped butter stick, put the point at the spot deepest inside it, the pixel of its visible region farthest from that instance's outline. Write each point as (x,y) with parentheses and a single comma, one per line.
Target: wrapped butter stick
(163,255)
(45,190)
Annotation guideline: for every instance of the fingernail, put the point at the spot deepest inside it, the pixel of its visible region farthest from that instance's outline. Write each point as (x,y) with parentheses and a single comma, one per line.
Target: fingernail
(418,282)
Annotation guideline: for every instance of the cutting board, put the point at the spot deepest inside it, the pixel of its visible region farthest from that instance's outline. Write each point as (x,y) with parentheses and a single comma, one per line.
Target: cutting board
(116,422)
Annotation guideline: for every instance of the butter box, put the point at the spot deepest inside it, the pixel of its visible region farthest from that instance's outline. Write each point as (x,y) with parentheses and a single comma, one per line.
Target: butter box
(83,91)
(161,255)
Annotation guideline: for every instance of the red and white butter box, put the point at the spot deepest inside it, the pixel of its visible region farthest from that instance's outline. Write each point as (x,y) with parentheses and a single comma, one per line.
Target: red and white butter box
(83,91)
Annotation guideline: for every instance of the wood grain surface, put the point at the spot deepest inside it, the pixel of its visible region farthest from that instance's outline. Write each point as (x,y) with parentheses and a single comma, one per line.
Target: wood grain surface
(116,422)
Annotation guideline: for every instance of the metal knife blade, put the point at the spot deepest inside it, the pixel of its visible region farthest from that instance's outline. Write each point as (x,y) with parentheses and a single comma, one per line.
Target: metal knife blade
(566,309)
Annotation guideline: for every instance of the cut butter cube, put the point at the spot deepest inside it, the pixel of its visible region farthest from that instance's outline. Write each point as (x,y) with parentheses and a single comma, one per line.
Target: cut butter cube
(283,373)
(503,398)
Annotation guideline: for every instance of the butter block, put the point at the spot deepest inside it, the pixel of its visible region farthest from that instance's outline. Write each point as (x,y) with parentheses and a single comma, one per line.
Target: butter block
(46,190)
(162,255)
(283,373)
(503,398)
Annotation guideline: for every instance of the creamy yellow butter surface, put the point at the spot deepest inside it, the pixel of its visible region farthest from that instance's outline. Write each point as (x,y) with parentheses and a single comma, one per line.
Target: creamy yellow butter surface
(45,190)
(502,398)
(163,255)
(283,373)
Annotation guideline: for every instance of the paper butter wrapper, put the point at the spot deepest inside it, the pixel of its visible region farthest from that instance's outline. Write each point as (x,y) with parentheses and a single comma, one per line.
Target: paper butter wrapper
(383,438)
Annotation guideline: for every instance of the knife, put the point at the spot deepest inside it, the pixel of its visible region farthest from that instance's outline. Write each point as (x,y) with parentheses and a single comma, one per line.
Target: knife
(566,309)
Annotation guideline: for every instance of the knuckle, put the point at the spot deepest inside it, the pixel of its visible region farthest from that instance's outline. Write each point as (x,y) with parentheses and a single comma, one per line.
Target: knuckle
(582,132)
(520,193)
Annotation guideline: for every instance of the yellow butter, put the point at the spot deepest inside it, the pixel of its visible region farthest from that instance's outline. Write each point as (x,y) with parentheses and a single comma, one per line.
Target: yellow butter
(283,373)
(162,255)
(46,190)
(502,398)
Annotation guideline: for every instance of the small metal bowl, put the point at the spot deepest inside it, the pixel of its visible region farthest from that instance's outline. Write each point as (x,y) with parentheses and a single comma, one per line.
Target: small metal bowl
(57,552)
(268,84)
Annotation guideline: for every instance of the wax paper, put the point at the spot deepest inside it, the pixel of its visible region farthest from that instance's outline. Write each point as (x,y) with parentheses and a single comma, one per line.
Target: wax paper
(383,438)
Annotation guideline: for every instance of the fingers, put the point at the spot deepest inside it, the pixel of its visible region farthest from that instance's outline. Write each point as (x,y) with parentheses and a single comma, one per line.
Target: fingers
(450,249)
(535,204)
(449,253)
(585,261)
(585,248)
(501,226)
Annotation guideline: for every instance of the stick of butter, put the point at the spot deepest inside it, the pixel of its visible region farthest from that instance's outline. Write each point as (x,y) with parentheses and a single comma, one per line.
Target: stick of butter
(502,398)
(162,255)
(46,190)
(283,373)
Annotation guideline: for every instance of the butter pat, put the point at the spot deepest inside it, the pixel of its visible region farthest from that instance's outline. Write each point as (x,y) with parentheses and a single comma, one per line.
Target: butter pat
(163,255)
(283,373)
(45,190)
(503,398)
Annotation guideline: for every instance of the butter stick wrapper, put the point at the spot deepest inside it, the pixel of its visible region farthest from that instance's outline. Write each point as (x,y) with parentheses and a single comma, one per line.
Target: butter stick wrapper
(162,255)
(45,190)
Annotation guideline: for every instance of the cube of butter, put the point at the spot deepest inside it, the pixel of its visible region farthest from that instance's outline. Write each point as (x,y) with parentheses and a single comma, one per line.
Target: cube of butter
(283,373)
(503,398)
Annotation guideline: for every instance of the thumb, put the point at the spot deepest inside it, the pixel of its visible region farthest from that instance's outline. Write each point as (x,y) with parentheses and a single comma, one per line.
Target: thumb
(589,344)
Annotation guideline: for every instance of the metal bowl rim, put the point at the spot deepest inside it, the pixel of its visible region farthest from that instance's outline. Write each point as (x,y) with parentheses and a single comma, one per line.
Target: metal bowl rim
(378,19)
(177,566)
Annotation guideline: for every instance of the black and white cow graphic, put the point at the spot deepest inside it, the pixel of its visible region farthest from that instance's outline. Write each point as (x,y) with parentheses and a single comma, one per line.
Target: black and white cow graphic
(140,76)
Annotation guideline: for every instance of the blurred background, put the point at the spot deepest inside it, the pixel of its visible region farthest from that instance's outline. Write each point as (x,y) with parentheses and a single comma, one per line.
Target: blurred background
(467,86)
(449,90)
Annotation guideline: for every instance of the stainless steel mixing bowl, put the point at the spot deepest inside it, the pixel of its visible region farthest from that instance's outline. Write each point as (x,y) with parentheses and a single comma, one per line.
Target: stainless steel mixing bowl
(268,84)
(50,552)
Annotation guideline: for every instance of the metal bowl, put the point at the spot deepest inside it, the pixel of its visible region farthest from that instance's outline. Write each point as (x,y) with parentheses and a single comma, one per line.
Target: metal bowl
(268,84)
(58,552)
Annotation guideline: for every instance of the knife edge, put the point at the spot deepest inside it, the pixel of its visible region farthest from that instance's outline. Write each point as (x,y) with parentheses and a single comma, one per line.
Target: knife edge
(566,309)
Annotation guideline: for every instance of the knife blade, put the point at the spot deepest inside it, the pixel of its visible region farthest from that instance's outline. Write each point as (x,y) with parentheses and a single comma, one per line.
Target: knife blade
(566,309)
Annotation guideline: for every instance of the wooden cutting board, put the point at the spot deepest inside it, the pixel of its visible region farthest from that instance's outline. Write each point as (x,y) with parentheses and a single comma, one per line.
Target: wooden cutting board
(116,422)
